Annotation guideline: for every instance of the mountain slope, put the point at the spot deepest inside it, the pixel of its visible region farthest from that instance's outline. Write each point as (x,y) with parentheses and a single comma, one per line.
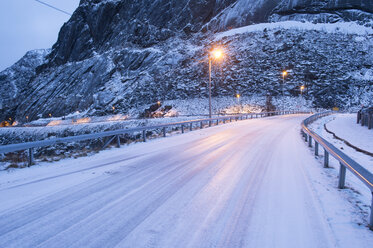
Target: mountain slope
(123,53)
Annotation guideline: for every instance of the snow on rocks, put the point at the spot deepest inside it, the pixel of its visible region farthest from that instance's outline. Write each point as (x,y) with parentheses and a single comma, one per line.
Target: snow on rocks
(340,27)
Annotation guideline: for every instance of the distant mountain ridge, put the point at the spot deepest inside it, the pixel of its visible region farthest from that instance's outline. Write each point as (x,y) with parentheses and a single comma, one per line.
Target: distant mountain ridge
(127,53)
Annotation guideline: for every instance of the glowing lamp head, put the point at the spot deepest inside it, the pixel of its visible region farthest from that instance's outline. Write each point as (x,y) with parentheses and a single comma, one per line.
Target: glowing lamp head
(284,73)
(302,87)
(238,95)
(217,53)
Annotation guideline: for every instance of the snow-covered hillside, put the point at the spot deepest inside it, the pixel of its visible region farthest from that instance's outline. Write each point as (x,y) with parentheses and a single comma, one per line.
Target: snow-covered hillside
(128,56)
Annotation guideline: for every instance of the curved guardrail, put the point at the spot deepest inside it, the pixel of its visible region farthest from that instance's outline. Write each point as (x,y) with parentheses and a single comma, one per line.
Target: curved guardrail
(116,133)
(345,161)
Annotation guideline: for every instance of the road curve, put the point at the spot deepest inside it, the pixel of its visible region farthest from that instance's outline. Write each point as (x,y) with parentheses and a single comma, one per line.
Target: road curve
(245,184)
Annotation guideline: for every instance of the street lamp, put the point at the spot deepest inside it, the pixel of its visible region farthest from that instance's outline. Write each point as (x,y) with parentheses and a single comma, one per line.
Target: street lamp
(284,74)
(215,54)
(238,98)
(302,89)
(238,101)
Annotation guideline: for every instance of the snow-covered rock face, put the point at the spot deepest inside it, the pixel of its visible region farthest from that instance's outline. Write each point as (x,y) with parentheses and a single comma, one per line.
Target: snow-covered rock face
(127,53)
(324,11)
(97,26)
(14,81)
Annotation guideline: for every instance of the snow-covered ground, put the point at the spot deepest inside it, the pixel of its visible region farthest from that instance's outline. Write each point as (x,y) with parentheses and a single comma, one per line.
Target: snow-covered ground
(190,109)
(344,125)
(340,27)
(194,108)
(252,183)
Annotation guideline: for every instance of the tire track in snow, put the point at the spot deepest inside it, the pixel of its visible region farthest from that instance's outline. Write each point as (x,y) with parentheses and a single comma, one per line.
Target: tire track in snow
(69,197)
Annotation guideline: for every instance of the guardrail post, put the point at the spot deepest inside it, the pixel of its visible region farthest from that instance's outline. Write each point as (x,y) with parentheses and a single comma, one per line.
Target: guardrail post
(201,125)
(182,128)
(342,176)
(118,141)
(30,157)
(309,140)
(316,148)
(230,119)
(144,135)
(164,132)
(191,126)
(209,123)
(370,121)
(217,122)
(326,159)
(371,214)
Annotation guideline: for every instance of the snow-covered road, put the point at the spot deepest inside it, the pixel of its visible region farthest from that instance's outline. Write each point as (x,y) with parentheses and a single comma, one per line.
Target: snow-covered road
(252,183)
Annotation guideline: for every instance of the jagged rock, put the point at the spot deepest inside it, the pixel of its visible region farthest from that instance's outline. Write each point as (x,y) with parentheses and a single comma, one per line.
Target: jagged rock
(15,81)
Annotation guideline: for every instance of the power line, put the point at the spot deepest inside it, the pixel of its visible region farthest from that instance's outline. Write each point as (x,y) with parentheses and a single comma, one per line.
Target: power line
(50,6)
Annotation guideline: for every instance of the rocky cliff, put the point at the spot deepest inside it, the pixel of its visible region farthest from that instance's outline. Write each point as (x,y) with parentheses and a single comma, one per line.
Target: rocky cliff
(126,53)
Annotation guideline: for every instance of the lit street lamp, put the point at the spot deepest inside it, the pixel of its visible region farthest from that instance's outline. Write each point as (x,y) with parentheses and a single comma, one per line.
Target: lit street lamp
(284,74)
(216,53)
(238,101)
(238,98)
(302,89)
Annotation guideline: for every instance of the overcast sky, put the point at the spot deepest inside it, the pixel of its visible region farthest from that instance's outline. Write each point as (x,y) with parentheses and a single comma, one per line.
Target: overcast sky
(26,25)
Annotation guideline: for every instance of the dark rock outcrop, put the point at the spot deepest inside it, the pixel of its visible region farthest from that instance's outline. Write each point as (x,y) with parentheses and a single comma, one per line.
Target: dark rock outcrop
(16,81)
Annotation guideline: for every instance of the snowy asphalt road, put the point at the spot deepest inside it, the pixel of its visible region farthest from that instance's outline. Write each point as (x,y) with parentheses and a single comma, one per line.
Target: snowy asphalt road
(246,184)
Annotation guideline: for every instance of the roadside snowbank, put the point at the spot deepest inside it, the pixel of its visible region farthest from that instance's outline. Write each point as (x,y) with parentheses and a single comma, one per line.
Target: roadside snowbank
(356,192)
(345,127)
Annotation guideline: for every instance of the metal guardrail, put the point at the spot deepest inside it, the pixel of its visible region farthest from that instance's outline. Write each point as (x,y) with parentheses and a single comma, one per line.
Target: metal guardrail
(345,161)
(116,133)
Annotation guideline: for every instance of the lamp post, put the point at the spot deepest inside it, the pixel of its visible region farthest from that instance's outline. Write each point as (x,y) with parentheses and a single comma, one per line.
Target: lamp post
(238,101)
(284,74)
(216,53)
(302,89)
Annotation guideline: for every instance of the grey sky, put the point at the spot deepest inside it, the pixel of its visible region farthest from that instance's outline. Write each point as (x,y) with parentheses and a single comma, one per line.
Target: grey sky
(26,25)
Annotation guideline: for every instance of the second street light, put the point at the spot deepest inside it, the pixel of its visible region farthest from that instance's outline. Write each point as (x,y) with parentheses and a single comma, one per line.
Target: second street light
(284,74)
(215,54)
(238,102)
(302,89)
